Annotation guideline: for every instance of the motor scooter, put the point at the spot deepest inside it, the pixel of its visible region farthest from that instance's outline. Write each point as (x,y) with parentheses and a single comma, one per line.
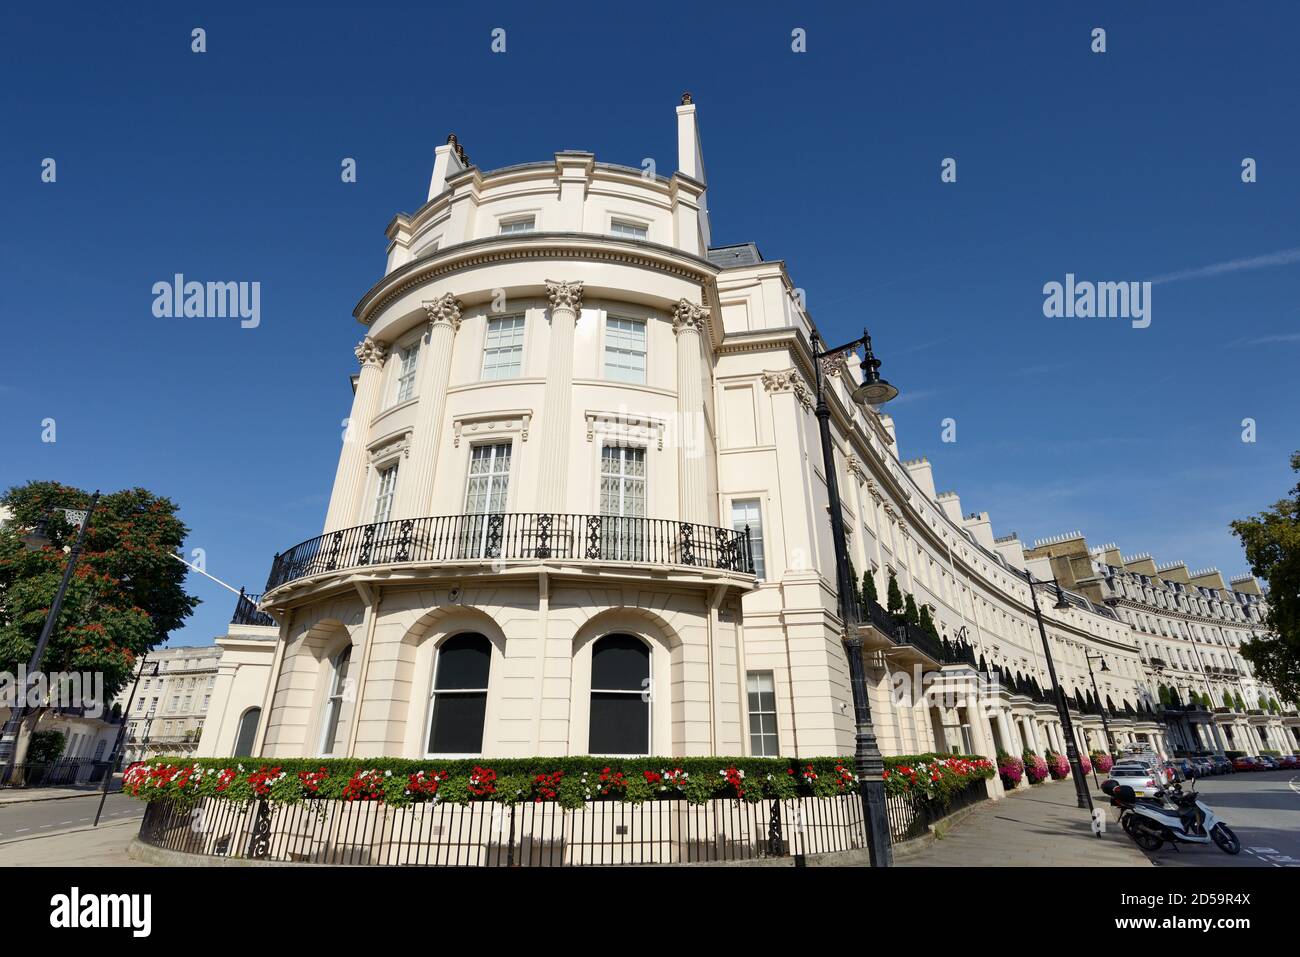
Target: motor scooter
(1171,816)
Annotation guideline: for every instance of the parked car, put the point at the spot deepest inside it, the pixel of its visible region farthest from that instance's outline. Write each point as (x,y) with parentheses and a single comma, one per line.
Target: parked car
(1185,766)
(1288,762)
(1204,767)
(1266,763)
(1245,763)
(1223,765)
(1145,779)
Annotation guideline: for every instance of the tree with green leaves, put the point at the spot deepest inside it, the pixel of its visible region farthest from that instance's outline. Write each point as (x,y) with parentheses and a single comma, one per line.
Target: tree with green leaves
(910,614)
(1272,543)
(125,597)
(894,598)
(927,623)
(869,586)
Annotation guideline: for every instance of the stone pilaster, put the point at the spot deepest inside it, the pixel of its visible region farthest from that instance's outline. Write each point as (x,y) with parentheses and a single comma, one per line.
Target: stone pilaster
(692,473)
(415,490)
(566,304)
(350,479)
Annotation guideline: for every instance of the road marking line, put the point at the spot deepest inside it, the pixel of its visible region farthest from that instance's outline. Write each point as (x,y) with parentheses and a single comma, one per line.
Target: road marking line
(21,829)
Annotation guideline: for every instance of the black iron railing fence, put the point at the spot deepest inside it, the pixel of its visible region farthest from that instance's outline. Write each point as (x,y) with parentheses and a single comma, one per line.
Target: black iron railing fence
(496,835)
(904,633)
(910,816)
(504,536)
(66,772)
(246,612)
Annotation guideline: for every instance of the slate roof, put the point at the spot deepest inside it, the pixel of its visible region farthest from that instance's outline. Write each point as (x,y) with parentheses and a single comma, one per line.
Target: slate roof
(742,254)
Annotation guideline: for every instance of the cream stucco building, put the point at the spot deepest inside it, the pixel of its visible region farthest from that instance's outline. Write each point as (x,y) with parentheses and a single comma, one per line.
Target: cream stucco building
(580,508)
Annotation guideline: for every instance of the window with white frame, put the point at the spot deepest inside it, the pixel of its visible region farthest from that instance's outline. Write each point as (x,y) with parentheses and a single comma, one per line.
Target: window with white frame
(517,224)
(408,359)
(333,728)
(763,741)
(503,350)
(625,349)
(620,698)
(629,229)
(745,513)
(622,500)
(485,496)
(458,700)
(385,488)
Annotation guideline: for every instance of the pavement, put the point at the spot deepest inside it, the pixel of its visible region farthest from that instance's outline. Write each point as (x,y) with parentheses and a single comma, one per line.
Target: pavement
(26,795)
(58,831)
(1040,826)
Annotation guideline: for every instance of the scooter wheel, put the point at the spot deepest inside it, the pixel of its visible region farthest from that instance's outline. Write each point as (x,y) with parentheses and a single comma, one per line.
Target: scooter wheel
(1147,840)
(1228,842)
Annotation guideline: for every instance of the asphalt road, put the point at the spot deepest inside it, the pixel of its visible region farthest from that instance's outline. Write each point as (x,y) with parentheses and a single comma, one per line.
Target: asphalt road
(27,819)
(1263,810)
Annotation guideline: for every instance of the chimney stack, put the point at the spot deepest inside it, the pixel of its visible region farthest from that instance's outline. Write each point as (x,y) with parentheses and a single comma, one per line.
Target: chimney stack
(690,158)
(448,160)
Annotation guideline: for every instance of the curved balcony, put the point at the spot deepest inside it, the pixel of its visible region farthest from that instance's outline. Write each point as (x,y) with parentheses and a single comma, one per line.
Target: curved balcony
(517,536)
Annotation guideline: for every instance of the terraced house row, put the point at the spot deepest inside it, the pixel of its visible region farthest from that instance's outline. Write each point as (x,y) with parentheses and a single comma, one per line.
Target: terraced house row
(581,509)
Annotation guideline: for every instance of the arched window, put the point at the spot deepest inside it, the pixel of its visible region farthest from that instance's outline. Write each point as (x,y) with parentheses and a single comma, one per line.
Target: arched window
(458,701)
(620,696)
(247,732)
(333,728)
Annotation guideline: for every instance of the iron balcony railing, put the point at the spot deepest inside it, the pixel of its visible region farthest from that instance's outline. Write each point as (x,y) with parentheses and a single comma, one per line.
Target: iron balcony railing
(505,536)
(903,633)
(246,612)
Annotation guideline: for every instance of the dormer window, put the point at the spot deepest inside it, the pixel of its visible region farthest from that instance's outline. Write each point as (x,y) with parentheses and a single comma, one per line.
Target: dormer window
(518,224)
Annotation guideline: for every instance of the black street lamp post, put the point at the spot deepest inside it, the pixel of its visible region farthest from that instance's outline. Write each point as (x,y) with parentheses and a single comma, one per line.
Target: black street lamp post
(868,763)
(12,727)
(121,735)
(1110,744)
(1105,725)
(1062,707)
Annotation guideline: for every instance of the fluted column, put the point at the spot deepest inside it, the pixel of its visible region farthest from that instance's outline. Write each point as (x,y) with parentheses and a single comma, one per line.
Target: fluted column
(692,471)
(415,490)
(566,303)
(350,479)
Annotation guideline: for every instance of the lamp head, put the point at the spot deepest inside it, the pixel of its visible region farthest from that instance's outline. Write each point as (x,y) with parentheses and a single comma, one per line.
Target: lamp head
(874,390)
(1103,667)
(36,537)
(1061,603)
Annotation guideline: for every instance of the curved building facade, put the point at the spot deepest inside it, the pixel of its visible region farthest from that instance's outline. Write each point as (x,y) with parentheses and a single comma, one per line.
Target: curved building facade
(580,508)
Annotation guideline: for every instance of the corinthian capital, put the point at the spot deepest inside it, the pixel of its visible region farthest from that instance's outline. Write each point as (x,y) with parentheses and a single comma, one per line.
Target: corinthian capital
(565,295)
(446,308)
(370,352)
(789,380)
(688,315)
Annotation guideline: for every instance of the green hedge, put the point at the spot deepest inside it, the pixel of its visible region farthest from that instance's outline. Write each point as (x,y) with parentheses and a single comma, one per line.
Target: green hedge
(567,780)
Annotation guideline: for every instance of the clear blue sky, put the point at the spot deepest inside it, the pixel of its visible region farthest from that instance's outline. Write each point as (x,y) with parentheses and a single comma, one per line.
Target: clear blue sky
(225,166)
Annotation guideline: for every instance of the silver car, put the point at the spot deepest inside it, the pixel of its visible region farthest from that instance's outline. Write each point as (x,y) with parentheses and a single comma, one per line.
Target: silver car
(1143,777)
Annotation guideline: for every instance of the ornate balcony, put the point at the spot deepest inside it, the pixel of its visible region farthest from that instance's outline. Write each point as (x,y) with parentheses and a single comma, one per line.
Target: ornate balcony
(246,612)
(909,643)
(503,537)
